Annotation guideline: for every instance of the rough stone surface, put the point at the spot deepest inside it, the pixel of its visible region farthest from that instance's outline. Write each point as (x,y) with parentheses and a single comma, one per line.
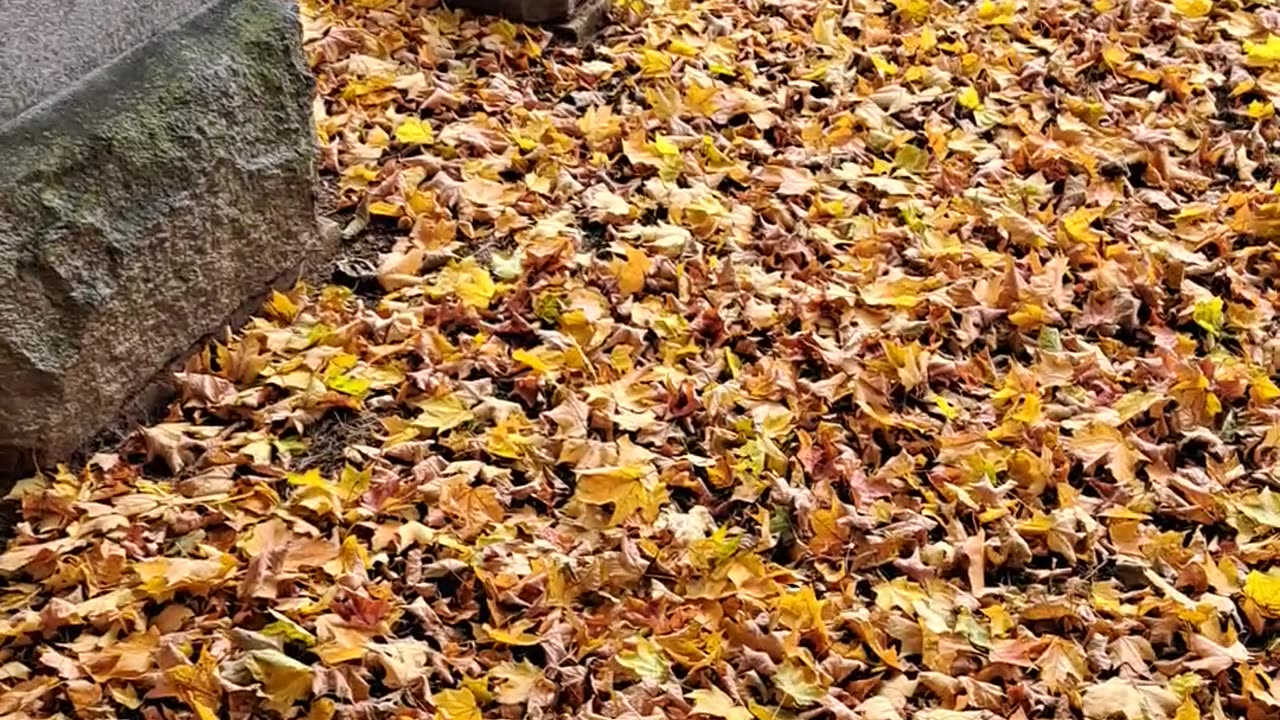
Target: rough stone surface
(140,208)
(527,11)
(45,45)
(587,19)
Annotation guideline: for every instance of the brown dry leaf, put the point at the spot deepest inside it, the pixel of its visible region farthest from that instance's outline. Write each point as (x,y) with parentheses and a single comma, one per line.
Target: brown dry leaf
(1098,442)
(1132,701)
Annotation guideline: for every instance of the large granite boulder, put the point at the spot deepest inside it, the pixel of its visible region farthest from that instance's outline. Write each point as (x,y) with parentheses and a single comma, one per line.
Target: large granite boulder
(156,174)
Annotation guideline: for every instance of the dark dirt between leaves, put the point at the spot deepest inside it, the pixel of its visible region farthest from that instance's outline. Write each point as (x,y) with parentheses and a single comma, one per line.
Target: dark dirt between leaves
(328,440)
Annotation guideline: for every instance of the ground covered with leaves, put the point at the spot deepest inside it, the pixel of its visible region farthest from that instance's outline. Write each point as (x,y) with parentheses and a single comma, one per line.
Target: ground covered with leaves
(763,359)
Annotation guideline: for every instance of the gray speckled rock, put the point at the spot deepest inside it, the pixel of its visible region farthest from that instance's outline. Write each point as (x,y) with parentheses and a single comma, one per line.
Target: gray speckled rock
(141,207)
(47,45)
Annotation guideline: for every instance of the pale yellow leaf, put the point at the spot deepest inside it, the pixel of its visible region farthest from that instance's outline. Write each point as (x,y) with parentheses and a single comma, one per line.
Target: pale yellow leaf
(456,705)
(716,703)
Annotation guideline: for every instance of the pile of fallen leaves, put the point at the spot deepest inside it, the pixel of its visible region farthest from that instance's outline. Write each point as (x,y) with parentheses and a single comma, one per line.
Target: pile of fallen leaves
(764,359)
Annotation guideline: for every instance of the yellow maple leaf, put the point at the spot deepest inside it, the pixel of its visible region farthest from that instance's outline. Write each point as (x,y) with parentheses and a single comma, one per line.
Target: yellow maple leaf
(1263,589)
(284,680)
(366,86)
(716,703)
(901,292)
(969,99)
(198,685)
(908,157)
(353,483)
(1077,223)
(630,485)
(1266,54)
(1193,8)
(1260,109)
(513,635)
(598,125)
(1262,388)
(1137,72)
(619,485)
(1209,315)
(1062,665)
(385,209)
(347,644)
(801,610)
(1114,55)
(281,307)
(1097,441)
(997,13)
(646,660)
(665,146)
(883,66)
(313,492)
(654,63)
(442,413)
(507,439)
(913,10)
(163,576)
(515,682)
(475,507)
(456,705)
(910,361)
(543,360)
(472,283)
(128,658)
(680,47)
(322,709)
(1000,619)
(801,683)
(414,132)
(631,272)
(899,593)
